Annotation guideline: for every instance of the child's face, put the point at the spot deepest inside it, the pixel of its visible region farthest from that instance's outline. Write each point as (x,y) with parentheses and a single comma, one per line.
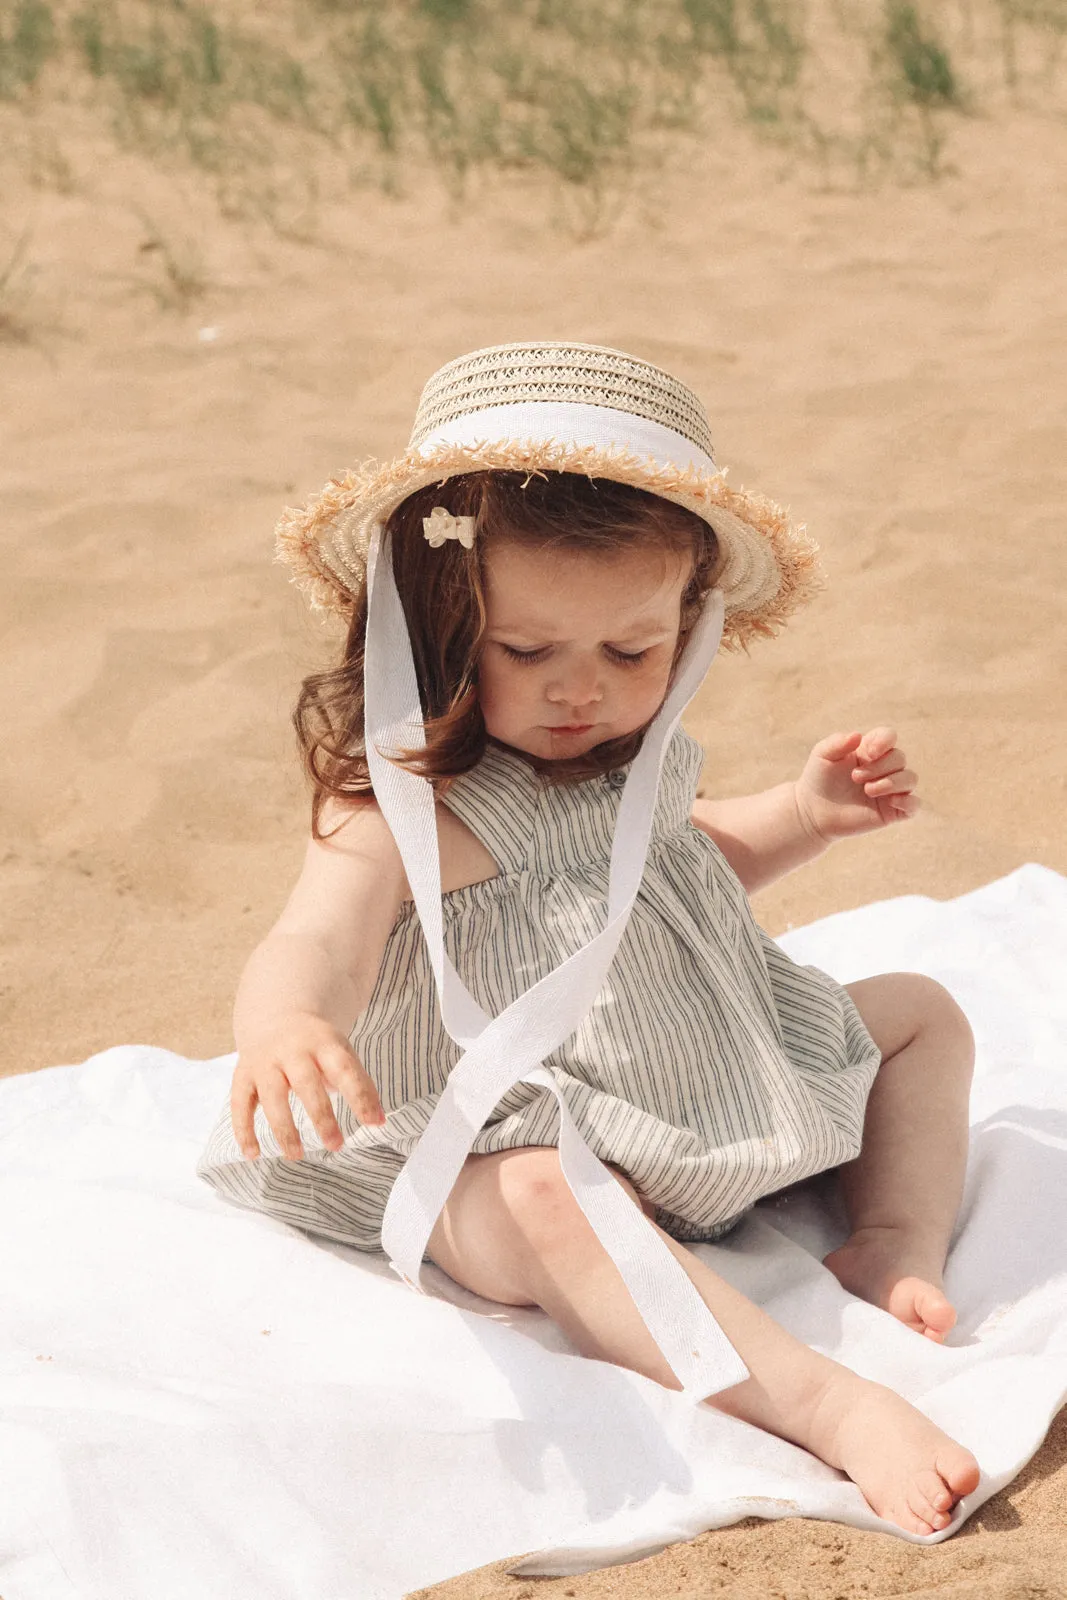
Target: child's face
(574,616)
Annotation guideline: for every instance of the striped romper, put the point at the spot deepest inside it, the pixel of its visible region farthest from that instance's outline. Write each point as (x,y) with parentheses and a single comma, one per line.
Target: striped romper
(712,1069)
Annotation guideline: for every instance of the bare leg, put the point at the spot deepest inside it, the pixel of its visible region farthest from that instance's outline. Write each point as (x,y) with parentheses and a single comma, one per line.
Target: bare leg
(903,1190)
(512,1231)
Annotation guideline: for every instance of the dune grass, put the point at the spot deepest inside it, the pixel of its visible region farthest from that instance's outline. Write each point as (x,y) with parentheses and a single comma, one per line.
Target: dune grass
(582,89)
(14,275)
(180,278)
(26,316)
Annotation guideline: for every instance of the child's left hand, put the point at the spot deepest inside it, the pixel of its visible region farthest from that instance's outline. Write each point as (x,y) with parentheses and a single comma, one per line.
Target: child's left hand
(854,782)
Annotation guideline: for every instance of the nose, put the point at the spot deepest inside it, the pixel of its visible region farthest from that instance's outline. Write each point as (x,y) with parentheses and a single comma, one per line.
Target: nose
(578,687)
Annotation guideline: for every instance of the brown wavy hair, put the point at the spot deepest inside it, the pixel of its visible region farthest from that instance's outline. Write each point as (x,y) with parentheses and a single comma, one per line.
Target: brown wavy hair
(443,597)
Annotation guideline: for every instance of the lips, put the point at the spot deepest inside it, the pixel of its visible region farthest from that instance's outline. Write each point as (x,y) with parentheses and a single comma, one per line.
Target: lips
(582,727)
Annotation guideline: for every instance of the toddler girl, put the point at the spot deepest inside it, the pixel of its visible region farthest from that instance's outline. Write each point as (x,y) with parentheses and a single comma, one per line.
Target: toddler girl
(533,593)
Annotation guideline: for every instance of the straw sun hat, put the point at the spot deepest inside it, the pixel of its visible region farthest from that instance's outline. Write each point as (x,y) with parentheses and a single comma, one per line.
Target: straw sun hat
(551,406)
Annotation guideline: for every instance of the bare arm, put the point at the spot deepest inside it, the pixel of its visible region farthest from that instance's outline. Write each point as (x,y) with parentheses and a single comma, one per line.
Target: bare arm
(323,953)
(307,982)
(851,783)
(763,836)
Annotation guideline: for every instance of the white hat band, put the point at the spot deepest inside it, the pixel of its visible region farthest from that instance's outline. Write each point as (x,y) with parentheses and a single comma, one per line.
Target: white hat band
(570,423)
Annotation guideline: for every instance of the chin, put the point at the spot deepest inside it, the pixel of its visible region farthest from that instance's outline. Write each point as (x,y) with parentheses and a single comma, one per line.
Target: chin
(569,744)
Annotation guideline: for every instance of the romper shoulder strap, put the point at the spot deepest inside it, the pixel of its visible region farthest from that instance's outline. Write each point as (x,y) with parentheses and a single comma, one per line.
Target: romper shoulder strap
(497,800)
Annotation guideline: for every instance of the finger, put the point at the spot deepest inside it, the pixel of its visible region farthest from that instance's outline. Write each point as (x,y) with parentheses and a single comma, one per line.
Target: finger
(243,1099)
(836,745)
(879,769)
(899,783)
(877,743)
(274,1099)
(346,1073)
(898,808)
(312,1092)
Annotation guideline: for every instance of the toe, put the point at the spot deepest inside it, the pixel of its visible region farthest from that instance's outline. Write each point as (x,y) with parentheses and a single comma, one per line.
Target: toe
(935,1311)
(959,1471)
(930,1498)
(923,1307)
(914,1521)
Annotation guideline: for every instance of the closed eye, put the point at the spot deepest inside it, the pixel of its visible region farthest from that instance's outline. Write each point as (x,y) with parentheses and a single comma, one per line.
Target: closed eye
(530,656)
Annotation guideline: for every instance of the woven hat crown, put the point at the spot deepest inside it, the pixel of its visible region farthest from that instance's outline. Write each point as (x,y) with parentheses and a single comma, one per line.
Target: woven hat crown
(552,371)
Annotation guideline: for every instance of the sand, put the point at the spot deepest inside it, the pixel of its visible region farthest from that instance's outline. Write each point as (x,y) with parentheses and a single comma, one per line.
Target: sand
(893,366)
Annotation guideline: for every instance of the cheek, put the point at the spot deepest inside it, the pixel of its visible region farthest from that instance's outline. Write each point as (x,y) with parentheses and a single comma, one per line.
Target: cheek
(496,688)
(651,679)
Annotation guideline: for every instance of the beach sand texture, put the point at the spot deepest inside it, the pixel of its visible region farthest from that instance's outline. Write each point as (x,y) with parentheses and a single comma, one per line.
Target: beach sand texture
(892,366)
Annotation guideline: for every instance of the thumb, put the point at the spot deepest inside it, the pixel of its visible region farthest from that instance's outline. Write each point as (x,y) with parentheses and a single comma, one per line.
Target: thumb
(836,746)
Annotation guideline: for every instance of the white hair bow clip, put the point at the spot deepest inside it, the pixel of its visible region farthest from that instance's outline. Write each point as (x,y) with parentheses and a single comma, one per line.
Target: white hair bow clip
(441,525)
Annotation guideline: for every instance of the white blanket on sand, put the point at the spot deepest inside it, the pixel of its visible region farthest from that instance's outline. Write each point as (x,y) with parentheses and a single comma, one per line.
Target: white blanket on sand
(200,1401)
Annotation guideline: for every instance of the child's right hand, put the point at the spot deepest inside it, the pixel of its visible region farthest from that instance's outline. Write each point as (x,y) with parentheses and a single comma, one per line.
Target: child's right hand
(305,1054)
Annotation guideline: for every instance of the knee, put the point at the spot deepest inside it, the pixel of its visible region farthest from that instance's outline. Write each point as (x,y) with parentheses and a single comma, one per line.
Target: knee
(539,1198)
(944,1020)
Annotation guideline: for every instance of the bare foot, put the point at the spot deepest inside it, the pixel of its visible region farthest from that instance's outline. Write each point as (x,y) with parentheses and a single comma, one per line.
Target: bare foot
(907,1470)
(891,1269)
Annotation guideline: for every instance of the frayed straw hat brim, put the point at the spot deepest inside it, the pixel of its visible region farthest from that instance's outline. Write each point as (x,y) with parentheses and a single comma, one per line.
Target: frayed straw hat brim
(769,564)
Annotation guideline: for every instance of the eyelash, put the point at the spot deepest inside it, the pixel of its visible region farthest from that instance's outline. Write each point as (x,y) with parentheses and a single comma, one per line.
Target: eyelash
(528,657)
